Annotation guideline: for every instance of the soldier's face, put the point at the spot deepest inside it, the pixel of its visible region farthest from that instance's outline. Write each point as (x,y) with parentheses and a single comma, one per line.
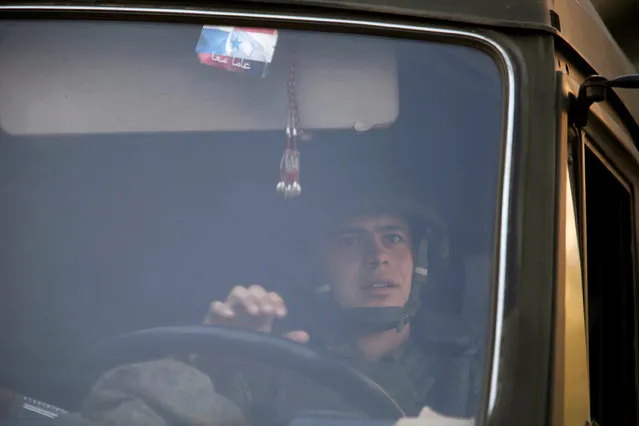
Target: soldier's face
(370,262)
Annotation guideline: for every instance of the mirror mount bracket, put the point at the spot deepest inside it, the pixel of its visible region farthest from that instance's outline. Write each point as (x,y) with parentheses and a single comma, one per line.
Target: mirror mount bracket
(594,89)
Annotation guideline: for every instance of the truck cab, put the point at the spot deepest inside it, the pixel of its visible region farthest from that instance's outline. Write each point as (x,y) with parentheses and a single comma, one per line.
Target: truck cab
(154,154)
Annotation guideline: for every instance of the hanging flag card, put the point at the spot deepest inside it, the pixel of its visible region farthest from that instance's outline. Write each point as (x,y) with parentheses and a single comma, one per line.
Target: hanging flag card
(237,49)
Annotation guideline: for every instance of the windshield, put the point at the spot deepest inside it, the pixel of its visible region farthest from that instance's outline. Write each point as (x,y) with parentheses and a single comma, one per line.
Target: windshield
(338,191)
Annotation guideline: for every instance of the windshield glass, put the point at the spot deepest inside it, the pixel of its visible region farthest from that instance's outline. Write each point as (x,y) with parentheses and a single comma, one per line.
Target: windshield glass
(338,191)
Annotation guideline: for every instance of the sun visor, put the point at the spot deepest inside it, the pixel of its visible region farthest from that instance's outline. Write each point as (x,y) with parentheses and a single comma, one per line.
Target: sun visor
(78,78)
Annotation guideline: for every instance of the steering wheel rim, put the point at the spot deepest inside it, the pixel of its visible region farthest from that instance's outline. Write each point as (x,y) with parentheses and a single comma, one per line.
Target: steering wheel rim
(156,343)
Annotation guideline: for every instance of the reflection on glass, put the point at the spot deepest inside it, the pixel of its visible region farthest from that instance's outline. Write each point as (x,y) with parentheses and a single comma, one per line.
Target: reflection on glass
(342,196)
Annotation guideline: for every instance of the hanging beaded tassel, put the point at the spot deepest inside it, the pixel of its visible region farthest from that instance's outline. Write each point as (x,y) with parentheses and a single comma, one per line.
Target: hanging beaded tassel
(289,184)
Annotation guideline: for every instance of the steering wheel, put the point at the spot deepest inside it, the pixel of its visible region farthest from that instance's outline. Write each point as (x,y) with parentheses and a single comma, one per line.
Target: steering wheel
(156,343)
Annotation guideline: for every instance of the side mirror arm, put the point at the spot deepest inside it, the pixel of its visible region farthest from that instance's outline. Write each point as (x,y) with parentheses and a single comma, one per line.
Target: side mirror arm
(596,89)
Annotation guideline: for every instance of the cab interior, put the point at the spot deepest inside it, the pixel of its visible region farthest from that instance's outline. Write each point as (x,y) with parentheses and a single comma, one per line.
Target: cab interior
(105,233)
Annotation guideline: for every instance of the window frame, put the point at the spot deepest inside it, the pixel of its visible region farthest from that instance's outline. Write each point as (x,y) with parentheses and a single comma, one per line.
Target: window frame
(504,59)
(608,139)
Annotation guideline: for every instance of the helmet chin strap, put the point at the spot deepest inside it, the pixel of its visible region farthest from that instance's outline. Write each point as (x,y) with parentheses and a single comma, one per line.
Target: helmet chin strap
(382,318)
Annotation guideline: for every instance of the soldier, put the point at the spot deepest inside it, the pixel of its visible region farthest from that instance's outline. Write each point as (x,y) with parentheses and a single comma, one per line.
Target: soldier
(370,255)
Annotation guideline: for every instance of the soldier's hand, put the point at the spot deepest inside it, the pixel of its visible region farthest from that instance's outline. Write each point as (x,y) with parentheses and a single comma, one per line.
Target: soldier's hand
(251,308)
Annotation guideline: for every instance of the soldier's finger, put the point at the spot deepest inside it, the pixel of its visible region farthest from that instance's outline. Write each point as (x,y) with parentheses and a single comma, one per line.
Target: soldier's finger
(242,297)
(279,307)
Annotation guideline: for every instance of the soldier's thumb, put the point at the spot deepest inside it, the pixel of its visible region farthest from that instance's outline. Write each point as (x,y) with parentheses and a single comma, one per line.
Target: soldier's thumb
(297,336)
